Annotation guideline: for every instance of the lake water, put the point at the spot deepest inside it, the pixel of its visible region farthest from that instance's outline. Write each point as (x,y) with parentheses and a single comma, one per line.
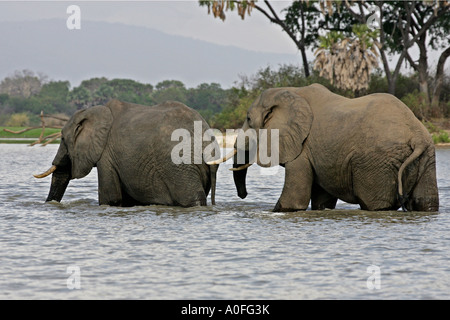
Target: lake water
(237,249)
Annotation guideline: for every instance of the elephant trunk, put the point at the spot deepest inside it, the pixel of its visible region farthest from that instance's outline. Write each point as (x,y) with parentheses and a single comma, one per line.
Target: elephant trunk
(213,176)
(239,181)
(60,180)
(61,171)
(240,169)
(244,157)
(240,166)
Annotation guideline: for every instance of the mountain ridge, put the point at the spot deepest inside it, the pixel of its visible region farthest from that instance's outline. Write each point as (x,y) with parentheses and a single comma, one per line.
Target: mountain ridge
(115,50)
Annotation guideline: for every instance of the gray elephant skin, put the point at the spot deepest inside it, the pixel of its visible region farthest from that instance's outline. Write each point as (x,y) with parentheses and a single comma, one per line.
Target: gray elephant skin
(370,151)
(131,147)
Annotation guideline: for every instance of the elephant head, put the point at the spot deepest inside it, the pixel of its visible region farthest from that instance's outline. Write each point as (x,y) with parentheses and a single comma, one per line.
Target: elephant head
(279,111)
(83,141)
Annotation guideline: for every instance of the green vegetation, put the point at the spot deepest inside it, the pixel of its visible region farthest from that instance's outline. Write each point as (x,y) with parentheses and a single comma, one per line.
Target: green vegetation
(400,27)
(6,137)
(441,137)
(34,133)
(222,108)
(438,135)
(24,95)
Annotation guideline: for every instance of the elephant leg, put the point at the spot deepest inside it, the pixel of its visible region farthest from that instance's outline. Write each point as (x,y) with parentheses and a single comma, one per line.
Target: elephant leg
(193,200)
(199,200)
(109,190)
(320,199)
(128,201)
(297,185)
(375,191)
(425,195)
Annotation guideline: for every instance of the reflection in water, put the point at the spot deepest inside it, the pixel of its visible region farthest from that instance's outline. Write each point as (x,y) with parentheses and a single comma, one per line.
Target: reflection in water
(237,249)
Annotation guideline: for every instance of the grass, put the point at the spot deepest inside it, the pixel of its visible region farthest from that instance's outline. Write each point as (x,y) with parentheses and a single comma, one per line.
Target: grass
(6,137)
(439,135)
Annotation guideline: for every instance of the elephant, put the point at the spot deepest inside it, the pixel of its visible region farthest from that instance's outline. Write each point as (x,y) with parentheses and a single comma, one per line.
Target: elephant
(370,150)
(131,146)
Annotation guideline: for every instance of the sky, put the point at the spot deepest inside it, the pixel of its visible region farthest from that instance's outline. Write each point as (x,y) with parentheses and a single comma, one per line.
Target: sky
(185,18)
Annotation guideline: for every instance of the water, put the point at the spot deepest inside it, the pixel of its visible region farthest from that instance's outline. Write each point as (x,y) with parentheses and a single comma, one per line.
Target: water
(237,249)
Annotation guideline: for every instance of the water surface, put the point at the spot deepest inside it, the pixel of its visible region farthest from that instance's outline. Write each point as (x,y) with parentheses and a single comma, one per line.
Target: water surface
(237,249)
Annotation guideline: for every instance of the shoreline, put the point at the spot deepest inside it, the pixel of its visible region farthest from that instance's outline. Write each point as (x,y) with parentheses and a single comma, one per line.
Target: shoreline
(224,141)
(442,146)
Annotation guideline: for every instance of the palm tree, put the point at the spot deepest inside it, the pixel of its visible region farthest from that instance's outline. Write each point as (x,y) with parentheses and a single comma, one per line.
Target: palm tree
(348,62)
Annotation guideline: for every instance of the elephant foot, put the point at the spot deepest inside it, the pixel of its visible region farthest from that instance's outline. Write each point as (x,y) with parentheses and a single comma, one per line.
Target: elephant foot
(280,208)
(200,200)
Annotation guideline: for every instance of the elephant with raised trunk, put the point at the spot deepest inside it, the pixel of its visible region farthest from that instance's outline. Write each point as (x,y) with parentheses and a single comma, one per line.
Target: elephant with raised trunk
(131,146)
(370,151)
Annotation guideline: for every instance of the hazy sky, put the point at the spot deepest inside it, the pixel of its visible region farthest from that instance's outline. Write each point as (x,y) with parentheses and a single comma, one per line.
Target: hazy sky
(184,18)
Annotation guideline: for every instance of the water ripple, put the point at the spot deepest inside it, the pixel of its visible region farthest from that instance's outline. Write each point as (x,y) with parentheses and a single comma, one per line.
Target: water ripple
(238,249)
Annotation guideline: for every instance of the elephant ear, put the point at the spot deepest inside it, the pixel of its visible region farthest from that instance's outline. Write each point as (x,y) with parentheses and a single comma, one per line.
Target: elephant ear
(292,115)
(90,130)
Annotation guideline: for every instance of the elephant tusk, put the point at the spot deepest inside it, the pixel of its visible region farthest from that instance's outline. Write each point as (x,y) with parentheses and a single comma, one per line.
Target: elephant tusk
(244,166)
(46,173)
(228,156)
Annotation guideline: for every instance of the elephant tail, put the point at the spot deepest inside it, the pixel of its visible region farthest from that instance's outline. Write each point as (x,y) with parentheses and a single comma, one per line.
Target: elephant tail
(213,172)
(416,153)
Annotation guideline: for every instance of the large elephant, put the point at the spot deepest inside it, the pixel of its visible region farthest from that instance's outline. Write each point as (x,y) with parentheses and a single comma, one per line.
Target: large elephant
(370,151)
(132,147)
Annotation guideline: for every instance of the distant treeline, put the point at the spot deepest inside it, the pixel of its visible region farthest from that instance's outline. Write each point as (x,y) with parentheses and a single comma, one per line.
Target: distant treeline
(28,93)
(25,94)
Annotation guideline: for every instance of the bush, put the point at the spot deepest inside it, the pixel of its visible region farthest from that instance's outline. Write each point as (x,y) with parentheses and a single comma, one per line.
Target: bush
(18,120)
(440,137)
(418,103)
(234,114)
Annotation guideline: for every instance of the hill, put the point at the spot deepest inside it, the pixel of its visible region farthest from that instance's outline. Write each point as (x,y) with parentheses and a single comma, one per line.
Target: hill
(122,51)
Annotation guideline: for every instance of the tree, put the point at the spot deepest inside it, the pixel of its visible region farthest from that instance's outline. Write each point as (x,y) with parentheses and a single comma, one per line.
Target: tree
(93,84)
(100,90)
(235,112)
(287,75)
(103,94)
(427,27)
(167,84)
(23,84)
(403,24)
(439,77)
(79,97)
(348,62)
(298,22)
(54,95)
(132,91)
(207,99)
(170,90)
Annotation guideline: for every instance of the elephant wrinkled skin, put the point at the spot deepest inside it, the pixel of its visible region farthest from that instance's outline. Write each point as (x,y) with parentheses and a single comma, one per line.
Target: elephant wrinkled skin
(370,151)
(131,147)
